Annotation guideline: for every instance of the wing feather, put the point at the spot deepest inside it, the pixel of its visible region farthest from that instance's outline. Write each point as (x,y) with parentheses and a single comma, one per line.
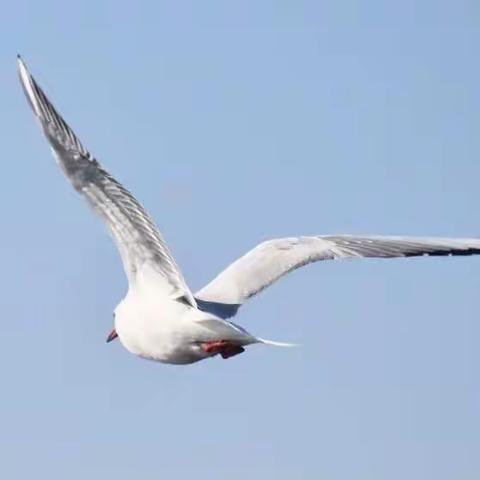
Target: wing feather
(272,259)
(138,239)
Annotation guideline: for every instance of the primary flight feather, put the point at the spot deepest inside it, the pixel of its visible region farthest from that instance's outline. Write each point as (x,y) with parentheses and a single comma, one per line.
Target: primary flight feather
(160,318)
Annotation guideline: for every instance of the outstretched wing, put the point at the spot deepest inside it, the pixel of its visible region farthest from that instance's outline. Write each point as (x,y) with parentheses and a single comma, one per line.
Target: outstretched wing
(272,259)
(138,240)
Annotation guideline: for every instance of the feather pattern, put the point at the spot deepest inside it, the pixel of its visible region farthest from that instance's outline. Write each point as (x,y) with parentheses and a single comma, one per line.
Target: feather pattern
(138,239)
(272,259)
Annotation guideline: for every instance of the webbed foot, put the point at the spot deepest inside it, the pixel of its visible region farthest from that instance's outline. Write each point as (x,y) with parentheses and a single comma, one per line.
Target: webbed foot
(224,348)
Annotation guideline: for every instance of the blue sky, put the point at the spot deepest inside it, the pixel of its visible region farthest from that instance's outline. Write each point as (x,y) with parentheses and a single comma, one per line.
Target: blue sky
(234,122)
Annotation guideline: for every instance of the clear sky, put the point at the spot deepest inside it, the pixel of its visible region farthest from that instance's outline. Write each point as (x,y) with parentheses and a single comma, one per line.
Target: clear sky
(234,122)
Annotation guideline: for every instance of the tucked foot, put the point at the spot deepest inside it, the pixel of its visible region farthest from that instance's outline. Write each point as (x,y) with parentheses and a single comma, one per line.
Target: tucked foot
(224,348)
(231,351)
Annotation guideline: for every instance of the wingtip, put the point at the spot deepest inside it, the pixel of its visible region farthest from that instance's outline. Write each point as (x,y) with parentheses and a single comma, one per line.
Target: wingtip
(27,84)
(21,65)
(20,60)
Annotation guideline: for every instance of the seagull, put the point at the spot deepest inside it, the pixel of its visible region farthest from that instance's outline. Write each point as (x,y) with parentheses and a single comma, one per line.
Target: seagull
(160,319)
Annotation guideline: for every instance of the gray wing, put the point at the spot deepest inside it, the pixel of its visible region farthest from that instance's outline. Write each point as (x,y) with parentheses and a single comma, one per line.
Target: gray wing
(272,259)
(138,240)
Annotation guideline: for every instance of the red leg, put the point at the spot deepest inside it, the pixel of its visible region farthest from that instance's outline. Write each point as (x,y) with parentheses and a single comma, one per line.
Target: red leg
(231,351)
(222,347)
(214,347)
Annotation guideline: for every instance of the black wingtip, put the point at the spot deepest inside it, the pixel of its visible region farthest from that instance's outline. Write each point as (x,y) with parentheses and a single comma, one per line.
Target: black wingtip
(20,61)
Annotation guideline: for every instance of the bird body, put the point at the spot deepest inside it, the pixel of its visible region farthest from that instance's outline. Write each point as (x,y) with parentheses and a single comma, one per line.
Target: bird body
(159,318)
(157,327)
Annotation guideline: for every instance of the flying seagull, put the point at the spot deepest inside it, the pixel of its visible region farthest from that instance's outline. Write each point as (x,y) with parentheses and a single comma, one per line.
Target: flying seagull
(160,318)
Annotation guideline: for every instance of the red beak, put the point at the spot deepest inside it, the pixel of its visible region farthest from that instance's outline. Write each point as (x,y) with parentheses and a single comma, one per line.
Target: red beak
(112,336)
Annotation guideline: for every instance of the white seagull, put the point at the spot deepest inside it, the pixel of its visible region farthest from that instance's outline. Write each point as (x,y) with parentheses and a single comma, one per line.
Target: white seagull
(159,318)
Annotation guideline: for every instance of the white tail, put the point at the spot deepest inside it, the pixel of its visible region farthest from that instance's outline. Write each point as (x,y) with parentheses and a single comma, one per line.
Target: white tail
(276,344)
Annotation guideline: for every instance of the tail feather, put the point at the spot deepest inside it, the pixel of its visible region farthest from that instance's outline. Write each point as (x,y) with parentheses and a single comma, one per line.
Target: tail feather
(276,344)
